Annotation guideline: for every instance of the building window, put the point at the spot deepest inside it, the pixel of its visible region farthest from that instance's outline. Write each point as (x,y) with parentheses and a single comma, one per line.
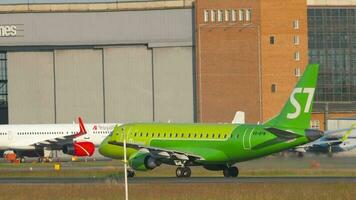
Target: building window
(212,15)
(273,88)
(315,124)
(297,72)
(206,15)
(220,15)
(296,24)
(241,15)
(233,15)
(332,44)
(3,89)
(297,56)
(248,15)
(272,39)
(296,40)
(227,15)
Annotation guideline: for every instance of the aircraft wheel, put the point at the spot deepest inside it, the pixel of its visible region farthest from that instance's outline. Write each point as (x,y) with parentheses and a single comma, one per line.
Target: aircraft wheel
(234,171)
(231,172)
(183,172)
(186,172)
(179,172)
(300,155)
(226,172)
(130,173)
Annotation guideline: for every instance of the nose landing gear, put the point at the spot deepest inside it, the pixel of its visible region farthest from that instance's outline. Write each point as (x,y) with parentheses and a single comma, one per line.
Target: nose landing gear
(130,173)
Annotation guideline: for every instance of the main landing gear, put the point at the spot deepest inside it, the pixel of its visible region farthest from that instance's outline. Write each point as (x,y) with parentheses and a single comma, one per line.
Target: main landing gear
(183,172)
(231,172)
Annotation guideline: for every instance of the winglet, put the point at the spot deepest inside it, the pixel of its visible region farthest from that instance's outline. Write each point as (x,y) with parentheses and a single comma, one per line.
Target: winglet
(82,130)
(347,134)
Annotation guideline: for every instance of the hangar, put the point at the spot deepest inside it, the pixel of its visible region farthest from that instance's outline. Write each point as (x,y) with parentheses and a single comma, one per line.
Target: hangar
(134,65)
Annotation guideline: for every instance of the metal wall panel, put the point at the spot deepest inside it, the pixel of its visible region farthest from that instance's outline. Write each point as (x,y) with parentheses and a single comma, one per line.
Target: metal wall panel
(95,28)
(79,85)
(30,87)
(128,84)
(173,84)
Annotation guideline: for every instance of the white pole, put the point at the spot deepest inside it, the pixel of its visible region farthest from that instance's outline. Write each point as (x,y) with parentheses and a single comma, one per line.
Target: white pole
(125,162)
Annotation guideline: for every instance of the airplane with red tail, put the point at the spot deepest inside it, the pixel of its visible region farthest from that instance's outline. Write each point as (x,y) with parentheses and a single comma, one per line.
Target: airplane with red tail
(31,140)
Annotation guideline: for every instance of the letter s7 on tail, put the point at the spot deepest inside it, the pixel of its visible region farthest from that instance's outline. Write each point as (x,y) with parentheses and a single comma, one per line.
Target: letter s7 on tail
(217,146)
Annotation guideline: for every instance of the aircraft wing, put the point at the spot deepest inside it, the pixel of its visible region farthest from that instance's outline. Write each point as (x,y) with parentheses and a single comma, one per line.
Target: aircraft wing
(323,142)
(160,152)
(339,133)
(327,140)
(58,142)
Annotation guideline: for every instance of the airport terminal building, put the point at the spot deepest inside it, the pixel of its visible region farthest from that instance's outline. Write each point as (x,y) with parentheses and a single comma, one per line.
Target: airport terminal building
(174,60)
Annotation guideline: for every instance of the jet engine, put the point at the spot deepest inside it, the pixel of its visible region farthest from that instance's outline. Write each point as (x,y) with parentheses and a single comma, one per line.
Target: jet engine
(79,149)
(143,161)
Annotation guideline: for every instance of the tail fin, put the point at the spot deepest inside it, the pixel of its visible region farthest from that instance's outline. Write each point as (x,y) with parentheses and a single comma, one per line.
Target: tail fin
(347,134)
(81,125)
(82,130)
(297,110)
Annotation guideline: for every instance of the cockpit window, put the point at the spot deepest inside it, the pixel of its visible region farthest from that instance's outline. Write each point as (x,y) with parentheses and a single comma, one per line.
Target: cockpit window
(111,133)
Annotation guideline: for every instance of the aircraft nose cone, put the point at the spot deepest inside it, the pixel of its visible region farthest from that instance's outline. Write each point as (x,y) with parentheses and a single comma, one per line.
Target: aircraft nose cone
(103,148)
(313,134)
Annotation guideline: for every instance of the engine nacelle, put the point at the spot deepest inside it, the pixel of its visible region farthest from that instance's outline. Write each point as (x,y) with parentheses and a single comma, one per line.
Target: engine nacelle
(79,149)
(10,156)
(143,162)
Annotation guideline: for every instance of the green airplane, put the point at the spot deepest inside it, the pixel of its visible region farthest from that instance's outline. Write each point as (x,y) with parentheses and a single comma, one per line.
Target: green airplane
(216,146)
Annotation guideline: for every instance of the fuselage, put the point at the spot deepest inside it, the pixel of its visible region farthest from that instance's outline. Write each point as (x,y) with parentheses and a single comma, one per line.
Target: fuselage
(25,135)
(215,143)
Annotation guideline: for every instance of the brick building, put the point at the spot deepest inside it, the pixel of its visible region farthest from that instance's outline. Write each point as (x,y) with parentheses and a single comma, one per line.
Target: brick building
(249,56)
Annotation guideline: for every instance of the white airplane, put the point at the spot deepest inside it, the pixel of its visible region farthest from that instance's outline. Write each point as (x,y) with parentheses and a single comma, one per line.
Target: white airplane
(32,140)
(333,141)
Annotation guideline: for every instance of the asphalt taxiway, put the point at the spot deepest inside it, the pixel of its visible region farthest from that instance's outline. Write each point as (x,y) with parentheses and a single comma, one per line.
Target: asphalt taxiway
(174,180)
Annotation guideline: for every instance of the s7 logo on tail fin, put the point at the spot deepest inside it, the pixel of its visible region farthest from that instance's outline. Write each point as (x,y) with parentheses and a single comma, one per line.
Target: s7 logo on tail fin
(296,104)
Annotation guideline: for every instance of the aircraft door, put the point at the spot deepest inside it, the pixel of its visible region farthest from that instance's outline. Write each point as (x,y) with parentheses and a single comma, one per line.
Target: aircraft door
(246,138)
(10,135)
